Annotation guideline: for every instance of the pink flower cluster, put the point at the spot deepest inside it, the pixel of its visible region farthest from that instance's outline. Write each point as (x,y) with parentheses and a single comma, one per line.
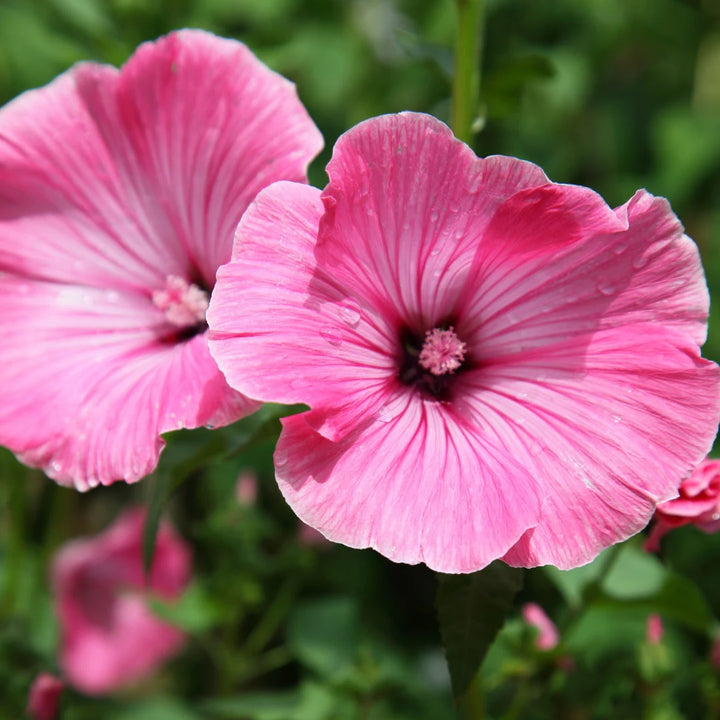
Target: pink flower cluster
(496,366)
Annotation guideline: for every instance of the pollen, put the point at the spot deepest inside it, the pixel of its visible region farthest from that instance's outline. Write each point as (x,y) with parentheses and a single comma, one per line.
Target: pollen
(442,352)
(184,304)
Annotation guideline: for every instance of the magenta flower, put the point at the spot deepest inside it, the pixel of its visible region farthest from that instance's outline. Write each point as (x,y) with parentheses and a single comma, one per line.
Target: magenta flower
(547,633)
(698,504)
(44,697)
(119,194)
(497,366)
(110,636)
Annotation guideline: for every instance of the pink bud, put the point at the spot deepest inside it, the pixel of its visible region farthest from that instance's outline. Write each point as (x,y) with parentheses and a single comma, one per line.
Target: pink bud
(246,488)
(44,697)
(654,630)
(535,616)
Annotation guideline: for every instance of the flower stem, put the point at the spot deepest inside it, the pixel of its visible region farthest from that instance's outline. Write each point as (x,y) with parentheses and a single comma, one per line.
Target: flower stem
(472,707)
(466,80)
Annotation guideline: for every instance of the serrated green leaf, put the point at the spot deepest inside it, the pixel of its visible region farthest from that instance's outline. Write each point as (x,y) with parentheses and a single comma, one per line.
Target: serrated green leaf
(471,611)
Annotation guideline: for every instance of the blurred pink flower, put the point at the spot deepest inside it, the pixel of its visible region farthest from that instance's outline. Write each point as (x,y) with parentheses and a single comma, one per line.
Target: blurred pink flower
(110,636)
(698,504)
(497,366)
(44,697)
(535,616)
(119,194)
(654,630)
(246,488)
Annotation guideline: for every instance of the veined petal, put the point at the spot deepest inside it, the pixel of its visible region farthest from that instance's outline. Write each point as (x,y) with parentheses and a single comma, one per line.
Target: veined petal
(112,386)
(603,428)
(120,178)
(416,484)
(406,206)
(282,328)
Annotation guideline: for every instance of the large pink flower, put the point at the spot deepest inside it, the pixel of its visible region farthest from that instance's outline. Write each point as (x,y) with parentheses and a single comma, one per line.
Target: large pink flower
(497,366)
(698,504)
(120,191)
(110,636)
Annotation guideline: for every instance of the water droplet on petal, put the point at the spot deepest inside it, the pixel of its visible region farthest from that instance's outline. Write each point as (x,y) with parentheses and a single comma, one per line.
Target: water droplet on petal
(606,288)
(332,335)
(619,248)
(280,459)
(640,262)
(56,466)
(350,313)
(433,216)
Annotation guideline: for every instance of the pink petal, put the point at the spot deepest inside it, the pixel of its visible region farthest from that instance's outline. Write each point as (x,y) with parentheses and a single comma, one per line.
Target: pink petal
(406,206)
(298,337)
(110,637)
(44,697)
(111,388)
(417,485)
(548,636)
(125,177)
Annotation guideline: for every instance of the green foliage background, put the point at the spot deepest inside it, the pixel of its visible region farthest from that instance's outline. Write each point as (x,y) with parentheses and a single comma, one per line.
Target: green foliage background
(613,94)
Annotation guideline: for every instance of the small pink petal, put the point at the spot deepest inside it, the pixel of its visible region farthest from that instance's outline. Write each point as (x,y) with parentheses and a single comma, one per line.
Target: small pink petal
(654,631)
(44,697)
(548,636)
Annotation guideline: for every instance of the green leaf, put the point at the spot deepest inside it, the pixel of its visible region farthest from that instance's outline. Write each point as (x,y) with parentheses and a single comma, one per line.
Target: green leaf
(635,574)
(471,611)
(195,610)
(154,709)
(254,706)
(159,491)
(324,635)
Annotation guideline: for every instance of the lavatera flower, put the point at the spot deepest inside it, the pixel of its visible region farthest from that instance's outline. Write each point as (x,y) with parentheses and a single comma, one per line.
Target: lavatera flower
(120,191)
(497,366)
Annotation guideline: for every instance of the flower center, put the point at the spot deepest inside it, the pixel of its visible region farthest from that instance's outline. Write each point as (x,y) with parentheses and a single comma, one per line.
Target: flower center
(184,305)
(430,361)
(442,352)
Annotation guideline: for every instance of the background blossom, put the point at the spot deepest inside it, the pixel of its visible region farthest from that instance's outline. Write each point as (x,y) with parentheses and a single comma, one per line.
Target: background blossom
(698,504)
(119,194)
(110,636)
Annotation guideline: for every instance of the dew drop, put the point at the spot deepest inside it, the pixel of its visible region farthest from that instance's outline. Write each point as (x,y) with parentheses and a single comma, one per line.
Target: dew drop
(619,248)
(332,335)
(433,216)
(616,418)
(280,459)
(350,313)
(56,466)
(640,261)
(606,288)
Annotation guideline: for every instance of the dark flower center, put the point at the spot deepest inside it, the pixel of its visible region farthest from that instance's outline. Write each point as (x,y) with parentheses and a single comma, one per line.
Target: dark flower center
(431,360)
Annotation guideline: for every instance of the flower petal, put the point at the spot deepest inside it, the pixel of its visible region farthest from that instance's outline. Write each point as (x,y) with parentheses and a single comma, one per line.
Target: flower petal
(415,484)
(185,135)
(406,206)
(282,328)
(112,387)
(606,427)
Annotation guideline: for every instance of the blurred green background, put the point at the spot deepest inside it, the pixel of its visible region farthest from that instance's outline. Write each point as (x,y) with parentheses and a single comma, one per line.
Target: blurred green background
(613,94)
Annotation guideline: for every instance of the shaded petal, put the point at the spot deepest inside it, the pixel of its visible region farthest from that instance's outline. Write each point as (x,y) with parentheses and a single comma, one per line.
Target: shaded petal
(648,271)
(406,206)
(416,485)
(111,387)
(606,427)
(282,329)
(120,178)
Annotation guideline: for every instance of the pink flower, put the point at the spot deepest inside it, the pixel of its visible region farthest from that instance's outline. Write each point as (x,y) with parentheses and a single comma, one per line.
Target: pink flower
(497,366)
(119,194)
(535,616)
(246,488)
(110,636)
(698,504)
(654,630)
(44,697)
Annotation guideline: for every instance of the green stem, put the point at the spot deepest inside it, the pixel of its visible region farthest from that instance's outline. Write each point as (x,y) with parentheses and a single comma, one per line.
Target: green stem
(466,80)
(15,542)
(472,706)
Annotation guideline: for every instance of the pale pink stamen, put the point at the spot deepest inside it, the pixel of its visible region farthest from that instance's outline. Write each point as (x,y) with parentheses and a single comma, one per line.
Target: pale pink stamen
(442,352)
(183,303)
